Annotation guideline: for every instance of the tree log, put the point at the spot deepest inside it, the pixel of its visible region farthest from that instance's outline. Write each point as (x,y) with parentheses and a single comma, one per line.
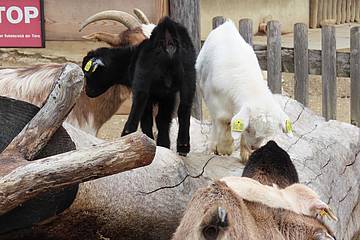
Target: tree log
(326,155)
(39,130)
(32,178)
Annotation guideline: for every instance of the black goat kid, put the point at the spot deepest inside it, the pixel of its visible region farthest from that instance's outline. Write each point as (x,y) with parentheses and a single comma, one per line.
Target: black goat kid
(156,70)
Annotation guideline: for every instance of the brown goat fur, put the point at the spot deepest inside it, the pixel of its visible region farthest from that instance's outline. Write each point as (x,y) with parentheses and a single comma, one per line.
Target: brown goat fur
(128,37)
(244,220)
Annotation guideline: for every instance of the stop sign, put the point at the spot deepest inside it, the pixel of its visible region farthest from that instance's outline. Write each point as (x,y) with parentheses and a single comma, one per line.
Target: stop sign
(21,23)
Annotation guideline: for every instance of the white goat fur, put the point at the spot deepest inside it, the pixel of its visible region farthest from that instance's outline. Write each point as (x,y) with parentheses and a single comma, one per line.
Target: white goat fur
(33,85)
(296,197)
(233,87)
(147,29)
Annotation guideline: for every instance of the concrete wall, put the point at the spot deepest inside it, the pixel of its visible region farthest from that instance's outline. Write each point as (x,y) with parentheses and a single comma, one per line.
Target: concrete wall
(287,12)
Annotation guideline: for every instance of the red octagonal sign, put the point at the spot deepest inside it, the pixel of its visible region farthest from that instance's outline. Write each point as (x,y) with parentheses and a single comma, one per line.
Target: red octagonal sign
(22,23)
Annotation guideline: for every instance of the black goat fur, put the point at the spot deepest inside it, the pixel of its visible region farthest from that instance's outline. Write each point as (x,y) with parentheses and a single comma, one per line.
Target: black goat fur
(271,164)
(156,70)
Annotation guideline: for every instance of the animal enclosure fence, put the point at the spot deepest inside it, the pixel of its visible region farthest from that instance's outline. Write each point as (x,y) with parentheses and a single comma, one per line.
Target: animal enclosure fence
(303,61)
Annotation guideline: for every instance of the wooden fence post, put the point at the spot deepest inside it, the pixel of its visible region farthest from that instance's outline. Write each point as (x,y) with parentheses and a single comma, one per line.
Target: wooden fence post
(246,30)
(328,71)
(274,56)
(355,75)
(187,12)
(301,63)
(217,21)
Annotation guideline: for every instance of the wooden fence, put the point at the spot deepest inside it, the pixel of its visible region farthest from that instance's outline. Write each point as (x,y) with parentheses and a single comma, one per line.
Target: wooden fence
(303,61)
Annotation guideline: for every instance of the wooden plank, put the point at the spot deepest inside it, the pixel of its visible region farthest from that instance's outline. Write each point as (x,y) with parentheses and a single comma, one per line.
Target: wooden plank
(187,12)
(355,75)
(274,56)
(328,45)
(217,21)
(246,30)
(287,61)
(62,18)
(301,63)
(313,20)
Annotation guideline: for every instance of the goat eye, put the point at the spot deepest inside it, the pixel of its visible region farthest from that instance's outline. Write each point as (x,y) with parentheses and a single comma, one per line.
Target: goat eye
(210,232)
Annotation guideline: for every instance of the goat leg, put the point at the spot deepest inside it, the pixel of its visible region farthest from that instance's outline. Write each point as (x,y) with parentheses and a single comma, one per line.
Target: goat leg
(184,114)
(163,120)
(147,120)
(140,99)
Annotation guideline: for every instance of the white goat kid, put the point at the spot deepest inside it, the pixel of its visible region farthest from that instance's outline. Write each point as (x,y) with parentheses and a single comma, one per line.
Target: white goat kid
(238,99)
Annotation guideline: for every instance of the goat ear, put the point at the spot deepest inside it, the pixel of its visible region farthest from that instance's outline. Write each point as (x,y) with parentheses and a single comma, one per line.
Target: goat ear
(93,64)
(240,122)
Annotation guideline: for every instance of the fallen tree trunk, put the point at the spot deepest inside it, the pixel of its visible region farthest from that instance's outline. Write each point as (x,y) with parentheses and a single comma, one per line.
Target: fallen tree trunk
(32,191)
(32,178)
(326,155)
(36,134)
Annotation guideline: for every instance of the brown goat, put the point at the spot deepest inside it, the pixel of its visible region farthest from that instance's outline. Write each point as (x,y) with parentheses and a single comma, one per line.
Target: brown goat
(216,212)
(33,85)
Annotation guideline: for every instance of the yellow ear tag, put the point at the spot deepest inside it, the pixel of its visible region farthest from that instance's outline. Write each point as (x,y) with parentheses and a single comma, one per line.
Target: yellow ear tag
(323,213)
(237,126)
(288,126)
(88,65)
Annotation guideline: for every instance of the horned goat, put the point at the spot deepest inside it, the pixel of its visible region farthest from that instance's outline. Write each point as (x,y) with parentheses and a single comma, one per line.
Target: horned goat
(238,99)
(138,30)
(156,70)
(33,85)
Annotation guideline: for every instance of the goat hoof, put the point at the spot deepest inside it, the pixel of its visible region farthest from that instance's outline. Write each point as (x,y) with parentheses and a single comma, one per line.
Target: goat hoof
(182,154)
(183,149)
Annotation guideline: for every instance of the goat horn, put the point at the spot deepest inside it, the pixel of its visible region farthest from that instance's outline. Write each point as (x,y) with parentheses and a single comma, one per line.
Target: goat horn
(119,16)
(141,16)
